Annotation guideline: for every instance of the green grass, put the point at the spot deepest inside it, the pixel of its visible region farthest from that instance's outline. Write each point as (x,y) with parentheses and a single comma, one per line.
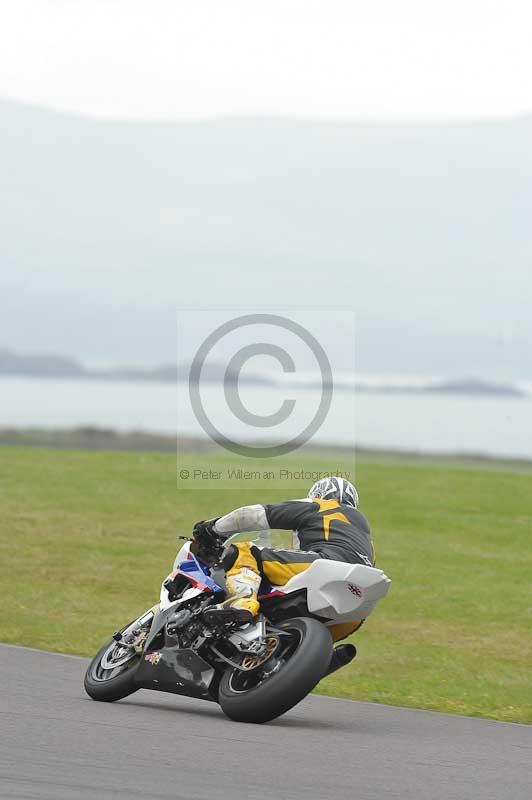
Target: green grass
(88,536)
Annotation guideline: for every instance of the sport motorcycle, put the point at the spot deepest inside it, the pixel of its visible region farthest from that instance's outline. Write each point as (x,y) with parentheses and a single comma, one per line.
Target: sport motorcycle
(256,672)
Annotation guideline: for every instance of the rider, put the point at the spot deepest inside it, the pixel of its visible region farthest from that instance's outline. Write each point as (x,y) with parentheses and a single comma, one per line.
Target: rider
(328,525)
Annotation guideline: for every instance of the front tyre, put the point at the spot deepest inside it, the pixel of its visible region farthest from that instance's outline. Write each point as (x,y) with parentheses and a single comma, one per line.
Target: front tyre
(299,663)
(111,673)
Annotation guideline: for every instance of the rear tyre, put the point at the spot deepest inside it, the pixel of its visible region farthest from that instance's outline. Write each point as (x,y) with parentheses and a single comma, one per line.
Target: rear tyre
(111,673)
(293,671)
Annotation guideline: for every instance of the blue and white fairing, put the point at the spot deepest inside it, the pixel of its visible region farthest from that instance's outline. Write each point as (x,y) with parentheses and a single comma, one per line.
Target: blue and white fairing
(197,573)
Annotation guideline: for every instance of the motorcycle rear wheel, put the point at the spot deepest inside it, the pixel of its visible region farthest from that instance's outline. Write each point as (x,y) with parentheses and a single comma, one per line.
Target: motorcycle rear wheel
(268,692)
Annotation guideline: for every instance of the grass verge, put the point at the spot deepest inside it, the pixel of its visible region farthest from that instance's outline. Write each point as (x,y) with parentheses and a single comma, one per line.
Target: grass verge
(88,536)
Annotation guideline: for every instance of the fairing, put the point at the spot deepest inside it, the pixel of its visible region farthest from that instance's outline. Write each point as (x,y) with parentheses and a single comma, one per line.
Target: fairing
(177,670)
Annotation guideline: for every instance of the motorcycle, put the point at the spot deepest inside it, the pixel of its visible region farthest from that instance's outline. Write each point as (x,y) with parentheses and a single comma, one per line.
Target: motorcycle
(256,672)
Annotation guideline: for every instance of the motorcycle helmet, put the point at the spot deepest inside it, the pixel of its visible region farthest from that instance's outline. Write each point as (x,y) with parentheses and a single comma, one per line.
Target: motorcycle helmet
(334,488)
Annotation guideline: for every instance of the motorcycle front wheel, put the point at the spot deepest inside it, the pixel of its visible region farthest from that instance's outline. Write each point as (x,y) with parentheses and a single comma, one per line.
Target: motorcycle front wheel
(300,660)
(111,674)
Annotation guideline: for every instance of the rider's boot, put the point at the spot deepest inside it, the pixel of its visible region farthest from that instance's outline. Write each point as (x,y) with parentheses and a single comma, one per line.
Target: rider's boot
(242,604)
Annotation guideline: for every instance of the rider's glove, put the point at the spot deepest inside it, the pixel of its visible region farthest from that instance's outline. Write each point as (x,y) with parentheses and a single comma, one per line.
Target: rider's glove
(205,528)
(209,542)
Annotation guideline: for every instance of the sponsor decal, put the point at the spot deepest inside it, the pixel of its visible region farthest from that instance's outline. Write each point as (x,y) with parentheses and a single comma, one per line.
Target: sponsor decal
(354,589)
(153,658)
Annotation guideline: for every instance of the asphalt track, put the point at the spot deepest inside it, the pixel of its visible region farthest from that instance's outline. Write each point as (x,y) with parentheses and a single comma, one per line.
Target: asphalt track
(56,743)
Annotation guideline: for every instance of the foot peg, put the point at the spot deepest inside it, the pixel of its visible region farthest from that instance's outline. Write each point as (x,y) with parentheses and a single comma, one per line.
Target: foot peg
(341,656)
(233,617)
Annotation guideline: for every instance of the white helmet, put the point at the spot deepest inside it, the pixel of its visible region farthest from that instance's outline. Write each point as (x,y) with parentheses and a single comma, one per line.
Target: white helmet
(333,488)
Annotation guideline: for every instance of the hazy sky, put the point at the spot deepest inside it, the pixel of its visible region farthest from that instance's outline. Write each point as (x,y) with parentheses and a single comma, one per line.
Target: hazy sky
(382,58)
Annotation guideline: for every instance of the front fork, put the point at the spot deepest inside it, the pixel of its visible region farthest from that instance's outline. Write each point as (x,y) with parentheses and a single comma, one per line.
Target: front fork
(136,633)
